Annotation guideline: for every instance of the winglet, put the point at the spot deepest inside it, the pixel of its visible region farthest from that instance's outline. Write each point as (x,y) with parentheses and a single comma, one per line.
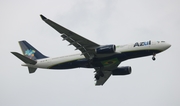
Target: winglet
(43,17)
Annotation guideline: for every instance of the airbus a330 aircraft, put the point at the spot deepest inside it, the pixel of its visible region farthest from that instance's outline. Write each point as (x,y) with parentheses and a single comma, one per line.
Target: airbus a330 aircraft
(103,58)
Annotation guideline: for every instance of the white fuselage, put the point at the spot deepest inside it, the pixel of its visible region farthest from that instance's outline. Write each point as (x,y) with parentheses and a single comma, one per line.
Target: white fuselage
(138,46)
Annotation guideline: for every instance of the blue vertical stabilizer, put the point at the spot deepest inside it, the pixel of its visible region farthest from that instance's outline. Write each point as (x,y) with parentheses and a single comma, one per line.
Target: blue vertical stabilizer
(30,52)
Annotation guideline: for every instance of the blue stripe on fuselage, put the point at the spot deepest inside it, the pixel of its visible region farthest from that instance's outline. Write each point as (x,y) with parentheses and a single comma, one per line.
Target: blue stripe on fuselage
(97,61)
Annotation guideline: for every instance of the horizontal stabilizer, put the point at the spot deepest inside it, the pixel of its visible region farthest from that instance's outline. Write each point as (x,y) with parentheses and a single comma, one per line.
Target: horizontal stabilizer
(31,69)
(24,58)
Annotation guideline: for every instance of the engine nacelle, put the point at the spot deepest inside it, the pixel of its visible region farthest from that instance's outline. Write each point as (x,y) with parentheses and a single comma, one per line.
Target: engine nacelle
(105,49)
(122,71)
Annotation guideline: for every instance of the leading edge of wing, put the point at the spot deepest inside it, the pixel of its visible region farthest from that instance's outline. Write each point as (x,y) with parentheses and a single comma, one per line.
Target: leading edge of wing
(84,45)
(64,30)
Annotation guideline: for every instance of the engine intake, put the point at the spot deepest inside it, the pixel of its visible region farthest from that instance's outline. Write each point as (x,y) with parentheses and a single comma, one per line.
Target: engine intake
(105,49)
(122,71)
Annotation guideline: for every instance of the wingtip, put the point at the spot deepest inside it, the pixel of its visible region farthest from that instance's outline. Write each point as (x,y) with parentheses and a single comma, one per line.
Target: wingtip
(43,17)
(22,41)
(13,52)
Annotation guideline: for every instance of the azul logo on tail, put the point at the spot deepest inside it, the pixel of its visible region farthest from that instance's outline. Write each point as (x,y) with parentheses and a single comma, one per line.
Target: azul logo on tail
(30,53)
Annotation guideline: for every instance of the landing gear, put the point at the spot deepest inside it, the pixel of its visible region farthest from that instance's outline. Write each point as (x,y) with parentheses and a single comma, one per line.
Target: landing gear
(99,74)
(97,77)
(153,58)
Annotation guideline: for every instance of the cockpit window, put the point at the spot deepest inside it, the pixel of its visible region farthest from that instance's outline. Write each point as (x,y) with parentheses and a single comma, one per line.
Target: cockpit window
(162,41)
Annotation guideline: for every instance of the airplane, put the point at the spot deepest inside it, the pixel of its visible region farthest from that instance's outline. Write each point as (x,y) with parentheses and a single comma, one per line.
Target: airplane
(105,59)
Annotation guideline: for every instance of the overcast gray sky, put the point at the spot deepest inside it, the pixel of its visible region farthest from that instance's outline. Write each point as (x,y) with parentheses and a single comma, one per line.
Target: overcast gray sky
(152,83)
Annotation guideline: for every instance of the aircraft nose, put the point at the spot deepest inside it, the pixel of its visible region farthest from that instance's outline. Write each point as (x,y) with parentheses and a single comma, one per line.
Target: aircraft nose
(166,46)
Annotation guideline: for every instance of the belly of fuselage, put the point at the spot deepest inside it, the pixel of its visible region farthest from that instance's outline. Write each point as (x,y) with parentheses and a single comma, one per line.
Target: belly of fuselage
(100,62)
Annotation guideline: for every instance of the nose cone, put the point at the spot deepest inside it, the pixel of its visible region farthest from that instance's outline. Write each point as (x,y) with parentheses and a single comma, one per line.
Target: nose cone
(166,46)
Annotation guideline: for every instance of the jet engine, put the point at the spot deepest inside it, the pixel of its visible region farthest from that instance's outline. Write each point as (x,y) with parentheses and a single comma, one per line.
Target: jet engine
(105,49)
(122,71)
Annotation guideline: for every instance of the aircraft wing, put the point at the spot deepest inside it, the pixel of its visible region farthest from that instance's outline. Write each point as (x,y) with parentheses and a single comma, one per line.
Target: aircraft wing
(103,79)
(106,70)
(84,45)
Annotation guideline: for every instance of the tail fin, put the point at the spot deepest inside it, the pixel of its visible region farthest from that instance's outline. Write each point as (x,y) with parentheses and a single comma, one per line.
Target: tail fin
(30,52)
(30,55)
